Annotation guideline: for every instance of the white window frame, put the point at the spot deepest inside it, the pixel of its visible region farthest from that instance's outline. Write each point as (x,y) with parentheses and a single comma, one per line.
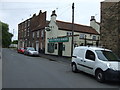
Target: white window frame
(42,33)
(94,37)
(38,33)
(33,35)
(82,36)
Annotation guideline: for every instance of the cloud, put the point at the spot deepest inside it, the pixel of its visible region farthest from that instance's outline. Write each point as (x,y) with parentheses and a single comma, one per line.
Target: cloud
(51,1)
(112,0)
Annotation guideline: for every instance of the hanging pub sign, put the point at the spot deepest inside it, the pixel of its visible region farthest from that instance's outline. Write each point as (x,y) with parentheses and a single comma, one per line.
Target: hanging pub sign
(62,39)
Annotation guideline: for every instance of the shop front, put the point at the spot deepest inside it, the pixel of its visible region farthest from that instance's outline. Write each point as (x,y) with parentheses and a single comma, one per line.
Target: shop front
(57,46)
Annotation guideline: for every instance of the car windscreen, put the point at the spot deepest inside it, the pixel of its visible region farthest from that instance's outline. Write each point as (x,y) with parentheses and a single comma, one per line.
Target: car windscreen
(106,55)
(31,49)
(22,48)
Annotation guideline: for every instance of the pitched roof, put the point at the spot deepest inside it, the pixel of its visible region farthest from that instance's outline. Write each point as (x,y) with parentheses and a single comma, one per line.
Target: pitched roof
(68,27)
(77,27)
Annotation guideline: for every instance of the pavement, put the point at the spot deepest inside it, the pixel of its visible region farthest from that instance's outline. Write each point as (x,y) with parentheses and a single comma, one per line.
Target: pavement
(56,58)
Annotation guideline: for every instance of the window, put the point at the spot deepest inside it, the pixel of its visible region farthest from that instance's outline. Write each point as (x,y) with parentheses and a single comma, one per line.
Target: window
(41,46)
(25,24)
(25,33)
(37,33)
(90,55)
(33,34)
(94,38)
(28,22)
(42,33)
(50,47)
(69,33)
(106,55)
(63,47)
(82,36)
(28,31)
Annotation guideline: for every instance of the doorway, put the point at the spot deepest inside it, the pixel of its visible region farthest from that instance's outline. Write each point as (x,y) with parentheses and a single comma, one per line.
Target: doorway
(37,46)
(60,48)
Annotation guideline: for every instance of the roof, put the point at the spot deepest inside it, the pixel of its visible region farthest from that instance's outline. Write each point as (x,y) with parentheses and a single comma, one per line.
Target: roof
(68,27)
(92,48)
(77,27)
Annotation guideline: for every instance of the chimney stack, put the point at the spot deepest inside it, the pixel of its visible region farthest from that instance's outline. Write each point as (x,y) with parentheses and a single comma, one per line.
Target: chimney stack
(53,16)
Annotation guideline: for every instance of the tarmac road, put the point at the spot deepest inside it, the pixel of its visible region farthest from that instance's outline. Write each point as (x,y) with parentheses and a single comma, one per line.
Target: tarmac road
(20,71)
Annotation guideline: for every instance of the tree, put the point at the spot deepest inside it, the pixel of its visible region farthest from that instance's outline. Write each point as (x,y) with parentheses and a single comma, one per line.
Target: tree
(6,36)
(15,42)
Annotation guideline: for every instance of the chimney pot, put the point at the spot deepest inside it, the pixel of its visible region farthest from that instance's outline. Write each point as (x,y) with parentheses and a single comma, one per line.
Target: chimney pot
(53,13)
(92,18)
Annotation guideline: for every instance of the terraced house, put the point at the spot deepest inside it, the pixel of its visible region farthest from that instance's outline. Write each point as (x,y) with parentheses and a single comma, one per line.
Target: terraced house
(31,32)
(54,37)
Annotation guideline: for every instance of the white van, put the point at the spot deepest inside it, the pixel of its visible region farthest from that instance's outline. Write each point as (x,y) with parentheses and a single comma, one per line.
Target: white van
(99,62)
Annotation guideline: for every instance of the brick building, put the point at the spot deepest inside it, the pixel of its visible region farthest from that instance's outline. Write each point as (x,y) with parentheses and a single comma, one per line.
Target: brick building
(35,32)
(31,32)
(110,25)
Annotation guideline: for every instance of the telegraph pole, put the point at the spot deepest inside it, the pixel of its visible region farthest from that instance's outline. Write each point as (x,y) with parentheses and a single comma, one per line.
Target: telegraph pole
(72,42)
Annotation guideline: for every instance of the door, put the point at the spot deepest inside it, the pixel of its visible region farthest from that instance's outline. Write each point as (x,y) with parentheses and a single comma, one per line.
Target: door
(37,45)
(89,61)
(60,48)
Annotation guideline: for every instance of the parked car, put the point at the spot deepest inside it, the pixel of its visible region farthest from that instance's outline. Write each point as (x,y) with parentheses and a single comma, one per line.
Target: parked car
(21,50)
(31,51)
(99,62)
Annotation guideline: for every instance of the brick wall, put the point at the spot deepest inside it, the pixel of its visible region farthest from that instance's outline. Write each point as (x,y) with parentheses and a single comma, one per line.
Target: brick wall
(27,27)
(110,32)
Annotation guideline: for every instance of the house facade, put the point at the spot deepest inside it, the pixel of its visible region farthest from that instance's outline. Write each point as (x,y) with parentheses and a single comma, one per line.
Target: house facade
(59,36)
(110,25)
(31,32)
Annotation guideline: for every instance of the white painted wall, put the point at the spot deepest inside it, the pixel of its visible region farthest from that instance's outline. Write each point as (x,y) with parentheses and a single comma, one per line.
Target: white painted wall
(95,25)
(54,33)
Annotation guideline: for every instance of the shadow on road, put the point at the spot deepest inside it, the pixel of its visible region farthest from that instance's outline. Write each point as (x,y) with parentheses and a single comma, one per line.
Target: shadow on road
(114,83)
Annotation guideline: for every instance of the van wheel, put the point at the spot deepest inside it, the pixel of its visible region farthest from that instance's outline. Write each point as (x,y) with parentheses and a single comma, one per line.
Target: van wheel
(74,68)
(100,76)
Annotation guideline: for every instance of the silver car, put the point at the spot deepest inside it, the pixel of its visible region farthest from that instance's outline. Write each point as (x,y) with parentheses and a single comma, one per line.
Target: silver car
(31,51)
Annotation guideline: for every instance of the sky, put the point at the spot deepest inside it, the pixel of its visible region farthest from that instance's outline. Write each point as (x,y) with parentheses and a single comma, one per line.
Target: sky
(14,12)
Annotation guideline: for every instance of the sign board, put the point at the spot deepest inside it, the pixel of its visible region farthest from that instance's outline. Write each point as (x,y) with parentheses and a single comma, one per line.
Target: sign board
(63,39)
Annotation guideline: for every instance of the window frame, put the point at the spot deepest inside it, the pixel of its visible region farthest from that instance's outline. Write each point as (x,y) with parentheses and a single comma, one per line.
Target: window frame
(82,36)
(94,37)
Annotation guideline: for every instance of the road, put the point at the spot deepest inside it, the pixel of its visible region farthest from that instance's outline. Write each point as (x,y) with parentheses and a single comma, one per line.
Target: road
(20,71)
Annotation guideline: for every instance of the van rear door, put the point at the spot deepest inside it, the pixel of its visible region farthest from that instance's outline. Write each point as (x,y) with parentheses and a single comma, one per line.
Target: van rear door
(79,59)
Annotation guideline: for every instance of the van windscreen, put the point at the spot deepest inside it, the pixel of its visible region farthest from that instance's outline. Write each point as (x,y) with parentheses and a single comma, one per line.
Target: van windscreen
(106,55)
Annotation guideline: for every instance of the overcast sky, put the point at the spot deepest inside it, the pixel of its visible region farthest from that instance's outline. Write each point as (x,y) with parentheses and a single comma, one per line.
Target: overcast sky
(13,12)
